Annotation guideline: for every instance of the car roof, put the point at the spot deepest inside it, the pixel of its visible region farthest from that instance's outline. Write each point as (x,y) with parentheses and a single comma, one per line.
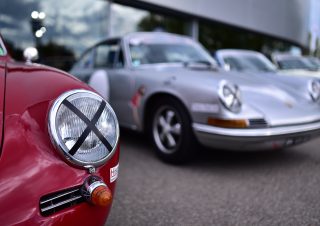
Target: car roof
(285,56)
(237,52)
(156,37)
(146,36)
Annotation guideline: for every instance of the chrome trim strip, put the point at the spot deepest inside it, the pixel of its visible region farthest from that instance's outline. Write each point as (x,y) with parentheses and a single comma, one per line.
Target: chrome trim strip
(94,185)
(55,137)
(59,196)
(61,203)
(263,132)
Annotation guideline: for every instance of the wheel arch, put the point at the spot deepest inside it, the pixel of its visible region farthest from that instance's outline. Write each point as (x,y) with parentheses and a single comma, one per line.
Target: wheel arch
(153,98)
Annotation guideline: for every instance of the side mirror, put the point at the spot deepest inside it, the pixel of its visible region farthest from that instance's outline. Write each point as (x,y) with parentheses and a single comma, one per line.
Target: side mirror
(30,54)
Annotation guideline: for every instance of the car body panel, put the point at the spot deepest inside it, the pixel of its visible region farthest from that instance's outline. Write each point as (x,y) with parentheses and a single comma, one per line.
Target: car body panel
(30,166)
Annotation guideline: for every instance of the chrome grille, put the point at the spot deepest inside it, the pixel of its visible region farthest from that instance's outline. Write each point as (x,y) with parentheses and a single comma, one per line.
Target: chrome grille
(258,123)
(55,202)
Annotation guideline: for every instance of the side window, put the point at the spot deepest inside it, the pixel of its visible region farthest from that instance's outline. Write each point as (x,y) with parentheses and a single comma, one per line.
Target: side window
(233,64)
(86,60)
(120,59)
(107,55)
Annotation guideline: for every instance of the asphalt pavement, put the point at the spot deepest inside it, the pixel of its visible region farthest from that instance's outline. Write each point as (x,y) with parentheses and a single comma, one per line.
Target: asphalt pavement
(217,187)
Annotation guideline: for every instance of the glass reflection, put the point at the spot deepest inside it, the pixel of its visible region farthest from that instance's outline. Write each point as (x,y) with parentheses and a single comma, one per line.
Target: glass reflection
(61,32)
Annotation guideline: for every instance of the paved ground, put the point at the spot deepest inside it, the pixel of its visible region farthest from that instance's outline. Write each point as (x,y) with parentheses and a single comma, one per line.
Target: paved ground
(218,188)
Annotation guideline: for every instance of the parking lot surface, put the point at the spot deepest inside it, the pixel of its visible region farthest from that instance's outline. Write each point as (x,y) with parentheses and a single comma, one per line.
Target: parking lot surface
(217,187)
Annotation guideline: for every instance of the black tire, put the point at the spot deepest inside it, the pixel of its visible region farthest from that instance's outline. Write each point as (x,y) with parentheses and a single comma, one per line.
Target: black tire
(169,129)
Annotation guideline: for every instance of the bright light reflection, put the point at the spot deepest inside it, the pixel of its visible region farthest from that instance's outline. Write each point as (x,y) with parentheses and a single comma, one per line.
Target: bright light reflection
(39,34)
(35,15)
(42,15)
(43,29)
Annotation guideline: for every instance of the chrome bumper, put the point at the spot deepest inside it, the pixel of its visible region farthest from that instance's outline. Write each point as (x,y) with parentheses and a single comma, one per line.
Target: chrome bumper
(255,138)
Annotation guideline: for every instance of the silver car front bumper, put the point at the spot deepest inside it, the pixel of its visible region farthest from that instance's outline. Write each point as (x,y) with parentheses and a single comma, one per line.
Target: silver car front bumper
(255,138)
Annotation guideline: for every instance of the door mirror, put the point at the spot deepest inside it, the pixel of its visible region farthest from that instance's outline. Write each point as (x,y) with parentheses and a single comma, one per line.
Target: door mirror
(30,54)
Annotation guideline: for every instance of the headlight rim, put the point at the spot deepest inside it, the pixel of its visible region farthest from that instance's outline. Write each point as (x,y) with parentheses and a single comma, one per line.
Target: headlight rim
(310,89)
(57,140)
(222,98)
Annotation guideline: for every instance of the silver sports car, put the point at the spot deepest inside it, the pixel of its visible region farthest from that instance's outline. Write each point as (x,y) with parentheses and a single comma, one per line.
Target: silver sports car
(170,87)
(248,60)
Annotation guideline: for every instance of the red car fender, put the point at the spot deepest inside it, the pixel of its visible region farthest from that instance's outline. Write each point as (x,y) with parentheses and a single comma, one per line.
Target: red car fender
(30,167)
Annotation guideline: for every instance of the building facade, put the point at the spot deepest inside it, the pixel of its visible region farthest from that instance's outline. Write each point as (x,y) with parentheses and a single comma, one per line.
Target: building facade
(283,19)
(61,32)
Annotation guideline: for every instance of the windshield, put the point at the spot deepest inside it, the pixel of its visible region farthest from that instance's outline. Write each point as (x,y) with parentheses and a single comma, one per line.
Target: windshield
(248,62)
(314,62)
(295,63)
(153,53)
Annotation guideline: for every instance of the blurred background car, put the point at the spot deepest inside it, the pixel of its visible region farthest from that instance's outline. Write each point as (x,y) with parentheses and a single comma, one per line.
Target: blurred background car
(243,60)
(59,149)
(170,87)
(297,65)
(253,61)
(314,61)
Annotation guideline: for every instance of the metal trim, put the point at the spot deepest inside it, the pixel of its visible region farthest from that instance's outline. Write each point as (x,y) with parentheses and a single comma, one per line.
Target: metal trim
(236,93)
(59,196)
(263,132)
(60,203)
(56,139)
(94,185)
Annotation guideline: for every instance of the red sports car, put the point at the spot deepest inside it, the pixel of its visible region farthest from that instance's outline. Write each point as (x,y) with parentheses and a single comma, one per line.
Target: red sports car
(59,153)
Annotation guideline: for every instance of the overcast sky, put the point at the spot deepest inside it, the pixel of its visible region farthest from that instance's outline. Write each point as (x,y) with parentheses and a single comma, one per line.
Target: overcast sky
(76,24)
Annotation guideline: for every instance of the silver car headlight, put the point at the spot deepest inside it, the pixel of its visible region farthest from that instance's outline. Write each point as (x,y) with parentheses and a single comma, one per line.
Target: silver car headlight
(230,96)
(314,89)
(84,128)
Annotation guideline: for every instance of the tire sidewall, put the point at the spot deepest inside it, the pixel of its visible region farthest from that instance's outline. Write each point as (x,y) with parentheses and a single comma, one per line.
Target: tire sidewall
(186,143)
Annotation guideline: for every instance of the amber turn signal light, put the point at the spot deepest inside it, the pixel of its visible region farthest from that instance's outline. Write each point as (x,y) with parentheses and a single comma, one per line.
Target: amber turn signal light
(101,196)
(228,123)
(96,192)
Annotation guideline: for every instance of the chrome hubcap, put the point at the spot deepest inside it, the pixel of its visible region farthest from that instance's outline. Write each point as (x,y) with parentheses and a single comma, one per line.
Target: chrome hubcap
(167,129)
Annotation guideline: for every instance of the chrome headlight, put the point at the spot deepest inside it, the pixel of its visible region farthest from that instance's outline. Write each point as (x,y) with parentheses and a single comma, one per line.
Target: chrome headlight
(230,96)
(314,89)
(84,128)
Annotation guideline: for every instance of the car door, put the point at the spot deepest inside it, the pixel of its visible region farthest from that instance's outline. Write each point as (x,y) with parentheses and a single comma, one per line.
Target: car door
(109,56)
(84,67)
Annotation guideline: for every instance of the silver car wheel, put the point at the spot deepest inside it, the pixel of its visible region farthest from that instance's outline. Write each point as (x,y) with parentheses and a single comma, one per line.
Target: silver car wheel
(167,129)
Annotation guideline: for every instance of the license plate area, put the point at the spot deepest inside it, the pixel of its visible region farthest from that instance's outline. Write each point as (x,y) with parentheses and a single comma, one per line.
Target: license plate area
(291,141)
